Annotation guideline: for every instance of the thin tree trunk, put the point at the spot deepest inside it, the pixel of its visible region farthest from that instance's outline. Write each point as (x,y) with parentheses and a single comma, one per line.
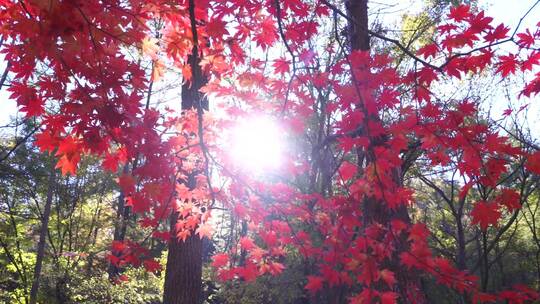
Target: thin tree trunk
(461,263)
(485,263)
(183,274)
(4,75)
(42,235)
(123,211)
(120,226)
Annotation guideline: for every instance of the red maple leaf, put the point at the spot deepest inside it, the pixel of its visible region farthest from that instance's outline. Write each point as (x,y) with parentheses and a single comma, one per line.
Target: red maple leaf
(220,260)
(267,35)
(532,60)
(389,297)
(533,162)
(110,162)
(67,146)
(272,267)
(281,66)
(388,277)
(419,231)
(347,170)
(249,272)
(217,28)
(507,65)
(500,32)
(479,23)
(118,246)
(429,50)
(526,39)
(510,199)
(191,221)
(152,265)
(67,165)
(532,88)
(314,284)
(247,243)
(46,141)
(183,234)
(307,56)
(205,230)
(163,235)
(27,97)
(460,12)
(33,107)
(127,183)
(485,214)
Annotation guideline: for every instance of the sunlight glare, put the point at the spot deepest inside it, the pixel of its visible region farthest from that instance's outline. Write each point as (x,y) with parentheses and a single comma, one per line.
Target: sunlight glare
(257,144)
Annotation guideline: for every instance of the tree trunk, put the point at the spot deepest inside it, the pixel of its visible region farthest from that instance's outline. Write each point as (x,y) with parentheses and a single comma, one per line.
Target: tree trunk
(376,211)
(120,226)
(42,234)
(183,274)
(357,10)
(461,263)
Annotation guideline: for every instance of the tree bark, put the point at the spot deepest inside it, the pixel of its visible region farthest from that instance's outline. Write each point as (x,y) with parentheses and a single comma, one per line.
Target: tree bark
(42,235)
(183,274)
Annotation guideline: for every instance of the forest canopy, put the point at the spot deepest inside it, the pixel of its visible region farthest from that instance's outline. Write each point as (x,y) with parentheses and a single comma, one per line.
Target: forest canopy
(269,151)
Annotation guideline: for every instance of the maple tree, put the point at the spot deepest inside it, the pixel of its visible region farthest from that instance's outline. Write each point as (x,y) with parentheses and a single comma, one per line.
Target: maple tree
(373,119)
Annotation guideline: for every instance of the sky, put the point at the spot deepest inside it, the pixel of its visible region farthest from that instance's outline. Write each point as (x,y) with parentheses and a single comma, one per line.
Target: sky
(506,11)
(390,11)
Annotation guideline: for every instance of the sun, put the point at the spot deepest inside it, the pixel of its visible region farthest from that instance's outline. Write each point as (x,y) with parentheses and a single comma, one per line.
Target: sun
(257,144)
